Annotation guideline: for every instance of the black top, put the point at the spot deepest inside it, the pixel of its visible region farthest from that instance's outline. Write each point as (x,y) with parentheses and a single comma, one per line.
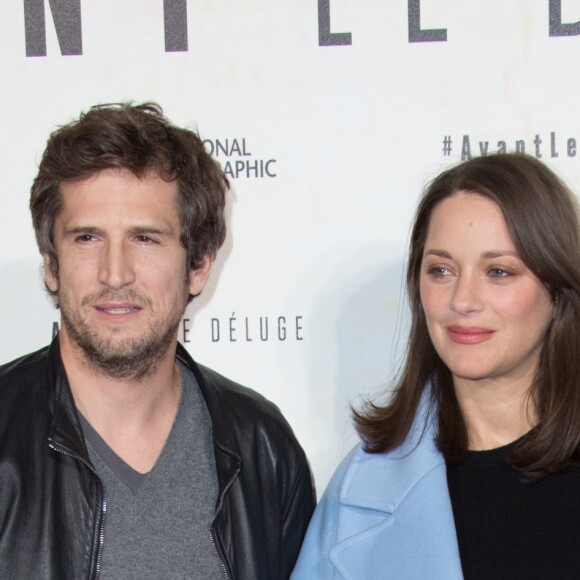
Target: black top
(511,529)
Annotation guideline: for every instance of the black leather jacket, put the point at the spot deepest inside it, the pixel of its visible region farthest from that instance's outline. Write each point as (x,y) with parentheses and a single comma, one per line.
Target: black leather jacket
(53,506)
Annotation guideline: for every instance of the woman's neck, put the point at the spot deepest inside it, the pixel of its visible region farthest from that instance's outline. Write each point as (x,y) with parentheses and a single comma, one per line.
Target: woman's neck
(495,413)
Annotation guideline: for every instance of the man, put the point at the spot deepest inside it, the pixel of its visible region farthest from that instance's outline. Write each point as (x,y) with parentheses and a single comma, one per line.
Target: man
(120,457)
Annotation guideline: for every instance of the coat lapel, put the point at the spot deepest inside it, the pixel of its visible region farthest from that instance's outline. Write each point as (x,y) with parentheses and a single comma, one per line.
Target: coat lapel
(396,518)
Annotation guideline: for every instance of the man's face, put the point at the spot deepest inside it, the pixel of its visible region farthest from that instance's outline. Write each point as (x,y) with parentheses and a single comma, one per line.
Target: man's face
(123,282)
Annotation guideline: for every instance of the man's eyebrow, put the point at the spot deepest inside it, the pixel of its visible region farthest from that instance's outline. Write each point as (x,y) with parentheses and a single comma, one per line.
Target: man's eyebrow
(136,230)
(152,230)
(82,230)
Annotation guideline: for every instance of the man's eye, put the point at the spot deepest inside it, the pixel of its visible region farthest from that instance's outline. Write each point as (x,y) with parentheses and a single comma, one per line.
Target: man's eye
(84,238)
(144,239)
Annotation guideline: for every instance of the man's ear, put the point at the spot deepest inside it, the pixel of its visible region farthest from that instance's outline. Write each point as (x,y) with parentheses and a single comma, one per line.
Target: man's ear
(198,278)
(49,278)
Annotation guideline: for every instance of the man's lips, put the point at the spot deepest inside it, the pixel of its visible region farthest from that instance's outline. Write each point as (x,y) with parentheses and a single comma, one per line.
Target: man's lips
(469,334)
(117,309)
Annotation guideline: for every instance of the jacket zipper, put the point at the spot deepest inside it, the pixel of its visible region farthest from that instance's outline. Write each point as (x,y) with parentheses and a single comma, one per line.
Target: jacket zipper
(80,458)
(221,558)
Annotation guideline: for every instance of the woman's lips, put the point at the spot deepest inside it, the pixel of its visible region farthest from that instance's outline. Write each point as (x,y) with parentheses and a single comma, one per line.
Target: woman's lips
(469,334)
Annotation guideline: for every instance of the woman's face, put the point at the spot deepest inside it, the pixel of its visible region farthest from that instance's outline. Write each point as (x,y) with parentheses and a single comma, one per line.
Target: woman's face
(486,312)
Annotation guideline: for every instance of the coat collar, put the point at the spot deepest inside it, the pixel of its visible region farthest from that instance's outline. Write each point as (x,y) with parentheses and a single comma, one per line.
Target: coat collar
(396,518)
(382,481)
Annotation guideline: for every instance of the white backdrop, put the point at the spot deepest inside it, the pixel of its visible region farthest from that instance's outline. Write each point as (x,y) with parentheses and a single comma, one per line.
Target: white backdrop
(331,116)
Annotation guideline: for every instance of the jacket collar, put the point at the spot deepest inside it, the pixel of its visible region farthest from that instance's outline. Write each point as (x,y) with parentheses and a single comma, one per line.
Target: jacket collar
(226,446)
(397,518)
(66,431)
(223,436)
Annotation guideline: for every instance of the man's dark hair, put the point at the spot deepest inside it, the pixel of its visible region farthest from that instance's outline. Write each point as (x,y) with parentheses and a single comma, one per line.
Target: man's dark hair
(140,139)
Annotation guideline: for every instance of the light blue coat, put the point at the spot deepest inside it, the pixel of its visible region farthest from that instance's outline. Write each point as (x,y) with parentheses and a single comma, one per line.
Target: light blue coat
(385,516)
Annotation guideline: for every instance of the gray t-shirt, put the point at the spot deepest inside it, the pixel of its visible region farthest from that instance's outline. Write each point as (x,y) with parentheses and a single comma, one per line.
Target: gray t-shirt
(157,524)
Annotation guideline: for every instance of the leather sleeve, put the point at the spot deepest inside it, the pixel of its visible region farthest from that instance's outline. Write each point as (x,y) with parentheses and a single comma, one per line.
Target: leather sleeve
(296,519)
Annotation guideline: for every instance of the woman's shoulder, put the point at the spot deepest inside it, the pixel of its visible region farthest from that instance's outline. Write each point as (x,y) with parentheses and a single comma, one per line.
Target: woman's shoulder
(357,467)
(366,479)
(364,491)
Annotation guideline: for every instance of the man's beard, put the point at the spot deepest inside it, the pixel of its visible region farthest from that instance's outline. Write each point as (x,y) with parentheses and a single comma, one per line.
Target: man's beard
(130,359)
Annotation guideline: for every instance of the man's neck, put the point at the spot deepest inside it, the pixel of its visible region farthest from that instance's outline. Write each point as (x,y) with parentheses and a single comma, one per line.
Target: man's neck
(133,417)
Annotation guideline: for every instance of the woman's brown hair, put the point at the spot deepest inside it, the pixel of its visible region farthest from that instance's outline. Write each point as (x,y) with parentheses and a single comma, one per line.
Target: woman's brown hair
(542,219)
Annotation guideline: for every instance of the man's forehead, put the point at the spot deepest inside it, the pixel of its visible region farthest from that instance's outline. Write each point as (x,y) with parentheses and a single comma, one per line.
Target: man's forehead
(120,193)
(123,172)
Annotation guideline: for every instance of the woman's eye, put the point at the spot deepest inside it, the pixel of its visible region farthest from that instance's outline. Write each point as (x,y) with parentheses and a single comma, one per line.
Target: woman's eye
(499,273)
(438,271)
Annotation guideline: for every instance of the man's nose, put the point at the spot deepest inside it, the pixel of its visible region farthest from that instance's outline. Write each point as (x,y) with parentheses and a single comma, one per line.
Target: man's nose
(116,268)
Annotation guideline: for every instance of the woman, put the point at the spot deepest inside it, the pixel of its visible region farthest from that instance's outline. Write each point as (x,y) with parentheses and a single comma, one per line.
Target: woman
(471,470)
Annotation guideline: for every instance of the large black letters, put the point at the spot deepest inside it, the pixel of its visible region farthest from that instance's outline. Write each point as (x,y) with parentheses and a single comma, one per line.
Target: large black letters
(325,37)
(557,28)
(66,15)
(415,32)
(175,14)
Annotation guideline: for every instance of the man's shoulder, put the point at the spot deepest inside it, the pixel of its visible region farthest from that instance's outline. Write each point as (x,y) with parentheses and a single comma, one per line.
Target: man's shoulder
(25,369)
(242,418)
(23,394)
(238,400)
(229,388)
